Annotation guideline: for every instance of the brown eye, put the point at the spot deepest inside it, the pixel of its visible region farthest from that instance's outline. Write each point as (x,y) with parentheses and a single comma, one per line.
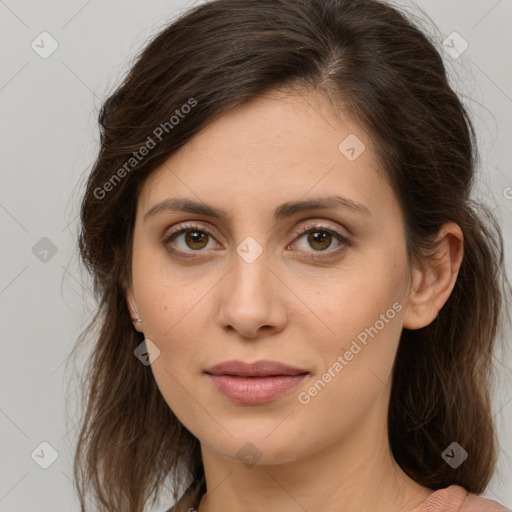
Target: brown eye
(319,239)
(196,239)
(187,240)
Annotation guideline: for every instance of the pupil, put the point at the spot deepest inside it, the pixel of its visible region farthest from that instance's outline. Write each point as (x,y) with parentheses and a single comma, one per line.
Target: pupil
(317,237)
(195,237)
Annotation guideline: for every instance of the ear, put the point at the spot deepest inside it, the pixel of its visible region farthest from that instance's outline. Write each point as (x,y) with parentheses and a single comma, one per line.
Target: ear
(433,283)
(132,308)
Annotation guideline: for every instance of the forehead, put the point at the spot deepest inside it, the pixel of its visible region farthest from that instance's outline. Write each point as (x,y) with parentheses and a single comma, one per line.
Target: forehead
(275,148)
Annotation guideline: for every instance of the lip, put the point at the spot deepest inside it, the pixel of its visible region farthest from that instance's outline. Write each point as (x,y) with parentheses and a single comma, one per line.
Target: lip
(262,368)
(255,390)
(254,383)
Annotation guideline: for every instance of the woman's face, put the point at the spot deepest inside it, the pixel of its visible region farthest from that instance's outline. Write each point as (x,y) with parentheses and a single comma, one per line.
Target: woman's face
(248,285)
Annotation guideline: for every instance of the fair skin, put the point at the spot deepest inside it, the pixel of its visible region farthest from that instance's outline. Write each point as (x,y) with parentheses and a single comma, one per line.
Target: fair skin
(332,453)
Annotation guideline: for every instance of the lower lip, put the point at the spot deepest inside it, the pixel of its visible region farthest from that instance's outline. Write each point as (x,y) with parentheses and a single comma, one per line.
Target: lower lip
(255,390)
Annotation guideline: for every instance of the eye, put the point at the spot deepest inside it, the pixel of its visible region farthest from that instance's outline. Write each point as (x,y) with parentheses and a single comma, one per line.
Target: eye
(193,238)
(320,238)
(190,238)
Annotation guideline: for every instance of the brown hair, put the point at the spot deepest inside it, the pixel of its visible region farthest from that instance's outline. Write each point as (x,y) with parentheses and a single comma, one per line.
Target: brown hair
(374,65)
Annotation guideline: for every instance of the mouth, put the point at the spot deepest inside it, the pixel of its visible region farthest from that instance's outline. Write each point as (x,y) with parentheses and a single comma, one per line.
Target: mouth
(254,383)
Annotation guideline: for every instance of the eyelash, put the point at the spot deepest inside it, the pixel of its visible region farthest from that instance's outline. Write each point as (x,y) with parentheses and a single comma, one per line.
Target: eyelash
(300,232)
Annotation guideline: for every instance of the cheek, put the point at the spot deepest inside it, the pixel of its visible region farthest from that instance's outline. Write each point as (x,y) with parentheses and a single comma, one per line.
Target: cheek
(357,359)
(167,297)
(366,296)
(177,387)
(174,317)
(363,311)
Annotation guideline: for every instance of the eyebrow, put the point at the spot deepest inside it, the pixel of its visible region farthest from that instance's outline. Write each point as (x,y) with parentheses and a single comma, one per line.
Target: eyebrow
(283,211)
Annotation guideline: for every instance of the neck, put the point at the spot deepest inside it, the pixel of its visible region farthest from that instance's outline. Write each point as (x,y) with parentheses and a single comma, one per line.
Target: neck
(354,474)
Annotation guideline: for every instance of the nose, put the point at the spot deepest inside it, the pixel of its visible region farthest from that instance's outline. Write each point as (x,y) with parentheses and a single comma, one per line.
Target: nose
(253,299)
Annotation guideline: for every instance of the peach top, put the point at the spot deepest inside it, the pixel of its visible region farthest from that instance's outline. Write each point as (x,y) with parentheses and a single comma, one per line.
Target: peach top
(456,499)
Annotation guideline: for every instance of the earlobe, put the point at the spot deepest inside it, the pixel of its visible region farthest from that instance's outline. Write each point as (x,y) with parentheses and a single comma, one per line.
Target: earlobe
(134,313)
(433,284)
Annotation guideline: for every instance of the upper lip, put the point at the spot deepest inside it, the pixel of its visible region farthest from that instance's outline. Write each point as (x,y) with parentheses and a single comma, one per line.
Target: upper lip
(255,369)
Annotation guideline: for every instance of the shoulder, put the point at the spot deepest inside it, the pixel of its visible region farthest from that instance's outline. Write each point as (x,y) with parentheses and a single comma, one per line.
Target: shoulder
(475,503)
(455,498)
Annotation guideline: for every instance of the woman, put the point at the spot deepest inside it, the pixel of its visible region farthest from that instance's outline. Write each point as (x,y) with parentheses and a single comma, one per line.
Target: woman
(299,298)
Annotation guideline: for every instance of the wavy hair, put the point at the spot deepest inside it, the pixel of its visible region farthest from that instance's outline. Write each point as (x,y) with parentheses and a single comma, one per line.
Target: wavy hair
(375,65)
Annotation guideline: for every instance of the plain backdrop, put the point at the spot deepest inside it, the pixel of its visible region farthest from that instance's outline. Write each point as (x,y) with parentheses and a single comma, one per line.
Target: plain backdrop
(49,140)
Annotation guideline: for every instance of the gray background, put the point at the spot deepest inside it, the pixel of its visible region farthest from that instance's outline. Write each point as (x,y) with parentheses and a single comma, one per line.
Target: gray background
(49,141)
